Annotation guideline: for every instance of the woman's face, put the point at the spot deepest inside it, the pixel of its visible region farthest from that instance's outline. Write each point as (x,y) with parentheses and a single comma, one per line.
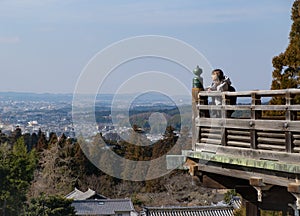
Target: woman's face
(214,77)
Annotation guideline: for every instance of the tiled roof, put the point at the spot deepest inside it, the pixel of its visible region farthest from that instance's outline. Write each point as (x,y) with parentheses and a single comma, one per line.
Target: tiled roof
(189,211)
(102,207)
(79,195)
(236,202)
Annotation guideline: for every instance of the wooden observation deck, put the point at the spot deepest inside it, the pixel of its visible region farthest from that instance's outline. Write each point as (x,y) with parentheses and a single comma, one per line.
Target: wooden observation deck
(248,149)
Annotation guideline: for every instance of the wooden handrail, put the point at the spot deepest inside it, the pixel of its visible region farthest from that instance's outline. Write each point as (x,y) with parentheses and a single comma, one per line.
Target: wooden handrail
(264,93)
(262,132)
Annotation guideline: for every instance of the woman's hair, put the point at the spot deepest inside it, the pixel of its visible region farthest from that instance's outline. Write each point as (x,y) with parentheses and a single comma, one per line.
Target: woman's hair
(219,73)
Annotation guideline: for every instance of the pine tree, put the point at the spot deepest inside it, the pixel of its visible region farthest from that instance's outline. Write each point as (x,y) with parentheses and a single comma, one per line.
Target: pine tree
(136,150)
(17,166)
(41,141)
(286,65)
(49,206)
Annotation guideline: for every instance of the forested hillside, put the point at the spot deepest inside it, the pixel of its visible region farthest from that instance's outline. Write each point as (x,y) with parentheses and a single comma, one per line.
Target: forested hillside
(33,167)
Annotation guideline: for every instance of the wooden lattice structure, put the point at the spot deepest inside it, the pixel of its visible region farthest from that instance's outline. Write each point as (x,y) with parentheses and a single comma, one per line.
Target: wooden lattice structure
(252,146)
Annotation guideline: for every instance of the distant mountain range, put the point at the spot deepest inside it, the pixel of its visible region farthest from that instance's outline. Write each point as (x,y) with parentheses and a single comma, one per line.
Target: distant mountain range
(146,98)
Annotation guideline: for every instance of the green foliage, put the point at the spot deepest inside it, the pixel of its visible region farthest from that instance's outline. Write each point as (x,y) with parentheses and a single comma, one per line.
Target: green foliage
(286,65)
(240,211)
(17,166)
(228,195)
(49,206)
(135,200)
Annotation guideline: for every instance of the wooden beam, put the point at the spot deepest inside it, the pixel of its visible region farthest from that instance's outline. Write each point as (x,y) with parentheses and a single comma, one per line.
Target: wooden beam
(257,154)
(241,174)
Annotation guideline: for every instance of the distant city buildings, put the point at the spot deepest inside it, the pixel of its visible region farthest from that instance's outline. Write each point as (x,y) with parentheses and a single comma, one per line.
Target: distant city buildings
(53,113)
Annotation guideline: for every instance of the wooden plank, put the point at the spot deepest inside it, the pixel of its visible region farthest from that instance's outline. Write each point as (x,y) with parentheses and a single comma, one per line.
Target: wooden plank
(268,179)
(211,141)
(210,107)
(296,150)
(251,107)
(229,123)
(238,161)
(272,141)
(210,130)
(293,126)
(278,125)
(276,107)
(271,135)
(227,107)
(263,125)
(239,138)
(238,107)
(238,144)
(271,147)
(251,153)
(294,187)
(239,132)
(297,142)
(296,136)
(211,135)
(262,93)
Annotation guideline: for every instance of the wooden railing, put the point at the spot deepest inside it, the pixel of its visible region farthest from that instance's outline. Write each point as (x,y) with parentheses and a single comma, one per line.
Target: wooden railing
(247,128)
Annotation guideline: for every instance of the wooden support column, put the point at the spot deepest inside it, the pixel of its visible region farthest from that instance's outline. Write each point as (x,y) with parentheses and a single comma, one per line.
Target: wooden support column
(202,114)
(251,209)
(256,100)
(260,186)
(195,115)
(294,189)
(197,87)
(192,166)
(289,116)
(225,101)
(255,114)
(289,100)
(224,135)
(224,115)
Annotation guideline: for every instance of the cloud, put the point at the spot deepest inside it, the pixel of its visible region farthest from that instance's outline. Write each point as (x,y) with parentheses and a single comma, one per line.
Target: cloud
(9,40)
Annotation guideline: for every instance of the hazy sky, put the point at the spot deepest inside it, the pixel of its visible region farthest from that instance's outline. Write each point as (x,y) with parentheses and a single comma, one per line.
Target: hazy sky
(45,44)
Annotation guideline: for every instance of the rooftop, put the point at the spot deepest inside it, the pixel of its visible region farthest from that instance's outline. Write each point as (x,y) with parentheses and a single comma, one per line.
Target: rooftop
(189,211)
(103,206)
(79,195)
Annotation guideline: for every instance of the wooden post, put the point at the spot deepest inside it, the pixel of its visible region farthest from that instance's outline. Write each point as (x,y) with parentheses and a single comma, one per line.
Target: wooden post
(197,87)
(225,101)
(224,114)
(289,116)
(289,100)
(251,209)
(224,135)
(256,100)
(255,114)
(195,114)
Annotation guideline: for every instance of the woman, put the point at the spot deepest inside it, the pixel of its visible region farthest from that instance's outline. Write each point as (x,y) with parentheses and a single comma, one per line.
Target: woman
(219,83)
